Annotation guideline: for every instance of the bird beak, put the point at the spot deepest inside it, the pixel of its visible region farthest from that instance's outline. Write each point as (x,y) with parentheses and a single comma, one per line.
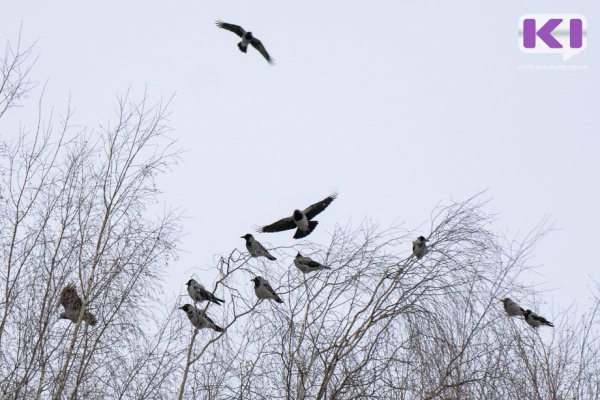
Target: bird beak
(180,308)
(241,237)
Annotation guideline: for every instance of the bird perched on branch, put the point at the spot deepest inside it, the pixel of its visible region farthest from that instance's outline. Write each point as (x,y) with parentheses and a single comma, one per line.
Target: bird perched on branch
(247,38)
(199,294)
(535,320)
(199,319)
(263,290)
(72,303)
(255,248)
(307,264)
(300,220)
(419,247)
(512,308)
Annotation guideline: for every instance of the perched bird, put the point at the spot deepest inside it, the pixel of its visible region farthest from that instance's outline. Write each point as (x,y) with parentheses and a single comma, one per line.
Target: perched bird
(307,264)
(512,308)
(300,219)
(263,289)
(535,320)
(420,247)
(247,38)
(199,294)
(199,319)
(255,248)
(72,303)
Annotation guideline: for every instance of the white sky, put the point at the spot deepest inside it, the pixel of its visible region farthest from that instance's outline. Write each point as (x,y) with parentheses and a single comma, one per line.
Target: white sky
(397,105)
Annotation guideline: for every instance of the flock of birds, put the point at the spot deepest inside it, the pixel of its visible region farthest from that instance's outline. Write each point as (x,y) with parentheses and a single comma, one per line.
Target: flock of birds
(514,310)
(302,221)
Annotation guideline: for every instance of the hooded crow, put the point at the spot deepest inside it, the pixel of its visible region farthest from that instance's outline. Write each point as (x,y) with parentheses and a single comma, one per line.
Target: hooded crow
(300,219)
(199,319)
(255,248)
(199,294)
(535,320)
(512,308)
(263,289)
(307,264)
(419,247)
(247,38)
(72,303)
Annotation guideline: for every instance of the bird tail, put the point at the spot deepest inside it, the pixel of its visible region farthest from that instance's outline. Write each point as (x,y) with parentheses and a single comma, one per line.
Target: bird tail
(242,48)
(270,257)
(90,318)
(217,300)
(278,299)
(549,324)
(311,227)
(217,328)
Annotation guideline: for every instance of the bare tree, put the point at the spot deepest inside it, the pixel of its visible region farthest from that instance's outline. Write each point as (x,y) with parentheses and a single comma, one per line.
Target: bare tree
(383,324)
(78,207)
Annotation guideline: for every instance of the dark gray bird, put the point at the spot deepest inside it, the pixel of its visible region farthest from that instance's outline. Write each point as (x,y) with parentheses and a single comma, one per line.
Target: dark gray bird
(199,294)
(419,247)
(512,308)
(72,303)
(307,264)
(535,320)
(247,38)
(300,220)
(199,319)
(255,248)
(263,290)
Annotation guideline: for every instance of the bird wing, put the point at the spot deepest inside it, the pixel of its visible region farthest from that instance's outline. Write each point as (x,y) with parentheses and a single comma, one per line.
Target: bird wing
(314,264)
(261,247)
(238,30)
(315,209)
(69,298)
(541,319)
(257,44)
(283,224)
(309,262)
(269,288)
(206,295)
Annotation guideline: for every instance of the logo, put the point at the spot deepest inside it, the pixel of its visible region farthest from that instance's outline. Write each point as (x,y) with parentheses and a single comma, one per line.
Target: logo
(564,34)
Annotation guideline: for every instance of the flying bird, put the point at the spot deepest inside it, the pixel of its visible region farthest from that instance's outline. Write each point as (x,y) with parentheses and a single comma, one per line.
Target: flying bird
(72,303)
(307,264)
(199,319)
(263,289)
(419,247)
(255,248)
(300,220)
(247,38)
(199,294)
(512,308)
(535,320)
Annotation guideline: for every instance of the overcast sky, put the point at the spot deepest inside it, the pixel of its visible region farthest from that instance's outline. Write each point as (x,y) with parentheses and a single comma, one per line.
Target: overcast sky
(398,105)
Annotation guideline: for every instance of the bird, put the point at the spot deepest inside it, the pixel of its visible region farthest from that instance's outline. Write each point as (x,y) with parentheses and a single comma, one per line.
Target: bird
(512,308)
(263,289)
(247,38)
(72,303)
(307,264)
(300,219)
(199,294)
(419,247)
(199,319)
(255,248)
(535,320)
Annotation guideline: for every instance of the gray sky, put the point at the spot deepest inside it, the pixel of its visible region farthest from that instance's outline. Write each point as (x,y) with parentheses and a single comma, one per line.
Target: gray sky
(397,105)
